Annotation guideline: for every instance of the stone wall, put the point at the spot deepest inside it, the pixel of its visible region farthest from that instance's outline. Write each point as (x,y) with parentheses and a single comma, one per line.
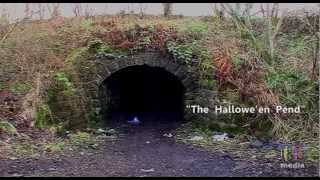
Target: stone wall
(106,66)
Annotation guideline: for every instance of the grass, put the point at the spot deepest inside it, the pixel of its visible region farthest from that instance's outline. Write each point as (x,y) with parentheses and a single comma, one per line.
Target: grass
(26,150)
(54,147)
(238,145)
(7,128)
(80,138)
(36,148)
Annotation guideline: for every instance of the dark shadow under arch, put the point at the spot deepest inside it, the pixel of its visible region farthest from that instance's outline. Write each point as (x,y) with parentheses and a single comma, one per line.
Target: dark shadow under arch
(151,93)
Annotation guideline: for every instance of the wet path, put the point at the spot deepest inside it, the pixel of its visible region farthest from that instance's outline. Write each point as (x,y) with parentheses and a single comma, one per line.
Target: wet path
(142,151)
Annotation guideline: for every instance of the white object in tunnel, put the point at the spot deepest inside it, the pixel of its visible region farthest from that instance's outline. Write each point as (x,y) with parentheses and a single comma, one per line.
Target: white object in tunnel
(135,120)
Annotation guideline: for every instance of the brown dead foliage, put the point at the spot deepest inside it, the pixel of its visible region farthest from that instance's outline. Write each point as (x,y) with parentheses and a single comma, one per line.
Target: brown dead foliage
(161,36)
(10,110)
(247,80)
(106,23)
(8,104)
(223,65)
(57,22)
(128,39)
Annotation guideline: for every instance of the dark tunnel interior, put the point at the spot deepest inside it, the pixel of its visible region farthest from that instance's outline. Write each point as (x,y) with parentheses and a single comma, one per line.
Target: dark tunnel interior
(150,93)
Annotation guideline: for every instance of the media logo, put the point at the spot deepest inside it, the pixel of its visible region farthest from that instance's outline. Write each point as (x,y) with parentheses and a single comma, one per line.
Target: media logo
(292,155)
(293,152)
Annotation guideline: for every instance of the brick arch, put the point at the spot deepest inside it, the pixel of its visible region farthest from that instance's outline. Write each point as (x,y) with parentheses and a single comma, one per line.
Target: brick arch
(182,72)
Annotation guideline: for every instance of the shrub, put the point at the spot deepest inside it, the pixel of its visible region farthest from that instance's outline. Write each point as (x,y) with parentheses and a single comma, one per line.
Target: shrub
(42,116)
(63,79)
(86,24)
(184,53)
(20,88)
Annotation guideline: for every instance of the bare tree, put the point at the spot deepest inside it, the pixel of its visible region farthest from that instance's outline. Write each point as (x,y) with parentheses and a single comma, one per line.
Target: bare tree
(28,13)
(271,12)
(77,9)
(106,7)
(54,9)
(41,11)
(312,21)
(240,13)
(4,16)
(243,24)
(143,8)
(247,9)
(167,9)
(217,12)
(242,19)
(4,20)
(88,12)
(130,8)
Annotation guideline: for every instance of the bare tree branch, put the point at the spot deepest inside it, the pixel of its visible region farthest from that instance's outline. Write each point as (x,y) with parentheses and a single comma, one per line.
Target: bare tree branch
(167,9)
(9,32)
(77,9)
(54,9)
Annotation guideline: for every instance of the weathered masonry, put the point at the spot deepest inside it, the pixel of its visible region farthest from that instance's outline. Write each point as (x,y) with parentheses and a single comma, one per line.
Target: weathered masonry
(97,81)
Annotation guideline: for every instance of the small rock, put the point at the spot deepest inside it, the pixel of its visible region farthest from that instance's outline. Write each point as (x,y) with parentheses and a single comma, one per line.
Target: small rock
(221,137)
(111,137)
(269,156)
(52,169)
(93,146)
(147,142)
(81,153)
(226,156)
(230,136)
(240,165)
(256,144)
(13,158)
(217,133)
(196,138)
(17,175)
(147,170)
(110,132)
(134,121)
(101,130)
(169,135)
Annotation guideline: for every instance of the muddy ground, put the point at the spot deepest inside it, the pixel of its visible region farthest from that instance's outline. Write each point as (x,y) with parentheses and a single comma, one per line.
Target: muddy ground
(143,151)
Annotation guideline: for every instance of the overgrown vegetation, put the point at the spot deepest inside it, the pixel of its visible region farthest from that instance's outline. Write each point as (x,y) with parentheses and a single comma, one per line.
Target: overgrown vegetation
(6,127)
(42,116)
(19,88)
(73,142)
(248,66)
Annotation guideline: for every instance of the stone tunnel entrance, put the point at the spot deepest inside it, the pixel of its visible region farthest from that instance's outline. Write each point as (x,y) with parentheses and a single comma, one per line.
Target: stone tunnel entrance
(151,85)
(153,94)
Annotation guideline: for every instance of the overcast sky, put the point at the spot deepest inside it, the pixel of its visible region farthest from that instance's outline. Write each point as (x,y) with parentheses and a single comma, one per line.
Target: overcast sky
(16,10)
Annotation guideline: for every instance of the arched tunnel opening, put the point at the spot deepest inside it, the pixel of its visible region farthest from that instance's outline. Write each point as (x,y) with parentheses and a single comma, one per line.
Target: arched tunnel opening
(152,94)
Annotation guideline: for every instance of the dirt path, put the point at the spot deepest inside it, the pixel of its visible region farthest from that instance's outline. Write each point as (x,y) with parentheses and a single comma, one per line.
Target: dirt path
(144,151)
